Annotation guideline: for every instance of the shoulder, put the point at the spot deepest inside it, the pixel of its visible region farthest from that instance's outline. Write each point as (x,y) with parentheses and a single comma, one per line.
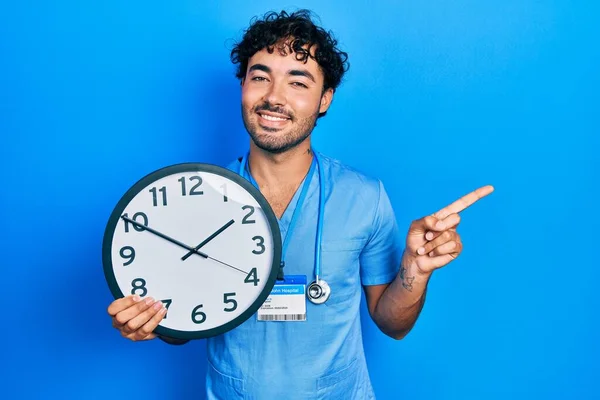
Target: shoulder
(357,205)
(344,177)
(234,165)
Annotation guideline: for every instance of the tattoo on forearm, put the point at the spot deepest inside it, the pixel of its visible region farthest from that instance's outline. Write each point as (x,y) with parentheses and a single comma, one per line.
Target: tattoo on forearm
(406,280)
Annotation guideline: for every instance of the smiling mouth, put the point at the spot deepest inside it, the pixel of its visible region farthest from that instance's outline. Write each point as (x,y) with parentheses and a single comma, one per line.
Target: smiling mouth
(272,118)
(271,122)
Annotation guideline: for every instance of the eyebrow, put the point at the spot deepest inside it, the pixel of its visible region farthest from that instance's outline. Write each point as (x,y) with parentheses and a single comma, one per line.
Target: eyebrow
(292,72)
(302,72)
(260,67)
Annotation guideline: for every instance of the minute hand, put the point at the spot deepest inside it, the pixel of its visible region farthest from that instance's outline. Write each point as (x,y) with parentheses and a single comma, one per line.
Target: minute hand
(162,235)
(178,243)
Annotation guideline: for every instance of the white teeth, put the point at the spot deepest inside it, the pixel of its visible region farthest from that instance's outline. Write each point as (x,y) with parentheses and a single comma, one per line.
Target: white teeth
(271,118)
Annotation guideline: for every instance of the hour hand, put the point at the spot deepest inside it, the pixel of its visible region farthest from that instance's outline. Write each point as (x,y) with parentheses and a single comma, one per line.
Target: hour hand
(208,239)
(162,235)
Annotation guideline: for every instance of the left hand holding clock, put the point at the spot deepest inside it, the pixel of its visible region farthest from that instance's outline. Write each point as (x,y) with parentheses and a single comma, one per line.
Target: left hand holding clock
(432,241)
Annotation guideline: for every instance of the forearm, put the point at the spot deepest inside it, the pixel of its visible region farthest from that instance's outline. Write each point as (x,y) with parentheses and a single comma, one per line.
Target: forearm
(401,303)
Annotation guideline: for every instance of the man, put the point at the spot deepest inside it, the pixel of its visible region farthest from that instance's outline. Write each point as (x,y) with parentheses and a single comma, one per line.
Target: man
(289,71)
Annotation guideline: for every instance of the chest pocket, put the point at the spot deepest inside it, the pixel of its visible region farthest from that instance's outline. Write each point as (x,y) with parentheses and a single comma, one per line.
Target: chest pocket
(340,268)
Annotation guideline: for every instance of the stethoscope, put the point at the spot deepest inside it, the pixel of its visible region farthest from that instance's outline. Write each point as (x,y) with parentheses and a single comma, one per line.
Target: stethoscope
(318,291)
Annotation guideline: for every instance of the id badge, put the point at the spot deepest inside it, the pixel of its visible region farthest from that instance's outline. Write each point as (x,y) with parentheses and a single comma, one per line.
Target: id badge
(287,301)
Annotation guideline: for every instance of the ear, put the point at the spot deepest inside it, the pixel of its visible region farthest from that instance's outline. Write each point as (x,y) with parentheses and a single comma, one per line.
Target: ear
(326,99)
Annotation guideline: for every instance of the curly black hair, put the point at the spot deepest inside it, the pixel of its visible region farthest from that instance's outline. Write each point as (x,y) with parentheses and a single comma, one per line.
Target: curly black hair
(300,28)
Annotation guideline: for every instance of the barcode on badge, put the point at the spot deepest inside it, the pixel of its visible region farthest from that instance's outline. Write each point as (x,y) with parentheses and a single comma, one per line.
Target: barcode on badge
(283,317)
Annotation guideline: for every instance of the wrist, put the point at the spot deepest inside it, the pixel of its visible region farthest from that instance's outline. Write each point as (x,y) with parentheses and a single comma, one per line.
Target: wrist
(409,267)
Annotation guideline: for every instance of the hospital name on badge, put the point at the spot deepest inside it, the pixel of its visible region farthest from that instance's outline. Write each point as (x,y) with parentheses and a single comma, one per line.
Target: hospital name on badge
(287,301)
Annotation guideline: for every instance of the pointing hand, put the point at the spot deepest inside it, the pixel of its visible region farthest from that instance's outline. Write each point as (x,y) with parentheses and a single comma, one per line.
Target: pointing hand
(432,241)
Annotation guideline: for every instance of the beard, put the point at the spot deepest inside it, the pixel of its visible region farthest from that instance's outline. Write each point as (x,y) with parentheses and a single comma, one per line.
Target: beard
(275,140)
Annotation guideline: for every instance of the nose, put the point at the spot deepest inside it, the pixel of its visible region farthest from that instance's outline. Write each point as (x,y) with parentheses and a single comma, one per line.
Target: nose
(276,94)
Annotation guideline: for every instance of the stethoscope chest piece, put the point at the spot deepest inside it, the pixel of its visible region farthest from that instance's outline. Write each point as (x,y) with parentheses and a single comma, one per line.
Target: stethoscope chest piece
(318,292)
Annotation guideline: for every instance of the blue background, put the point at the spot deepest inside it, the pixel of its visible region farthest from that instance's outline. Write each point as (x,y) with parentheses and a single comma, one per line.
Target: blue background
(441,98)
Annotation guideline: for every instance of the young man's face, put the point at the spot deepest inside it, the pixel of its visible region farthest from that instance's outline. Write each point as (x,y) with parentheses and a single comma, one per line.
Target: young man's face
(281,99)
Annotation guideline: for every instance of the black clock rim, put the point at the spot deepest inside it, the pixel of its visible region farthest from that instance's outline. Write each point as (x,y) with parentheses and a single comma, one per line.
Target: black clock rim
(189,167)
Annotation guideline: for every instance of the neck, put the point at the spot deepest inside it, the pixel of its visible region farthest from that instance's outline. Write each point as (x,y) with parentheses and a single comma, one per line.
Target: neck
(272,170)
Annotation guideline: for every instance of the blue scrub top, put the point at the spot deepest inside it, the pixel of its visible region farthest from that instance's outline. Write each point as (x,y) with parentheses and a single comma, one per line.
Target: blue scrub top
(322,357)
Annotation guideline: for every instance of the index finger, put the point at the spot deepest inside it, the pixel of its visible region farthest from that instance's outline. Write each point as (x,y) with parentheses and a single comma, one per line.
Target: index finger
(465,201)
(122,304)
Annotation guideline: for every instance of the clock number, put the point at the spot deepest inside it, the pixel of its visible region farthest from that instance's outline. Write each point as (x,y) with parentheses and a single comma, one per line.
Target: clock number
(232,301)
(135,218)
(260,244)
(245,220)
(224,186)
(139,283)
(130,256)
(167,303)
(196,313)
(182,180)
(252,277)
(193,191)
(163,190)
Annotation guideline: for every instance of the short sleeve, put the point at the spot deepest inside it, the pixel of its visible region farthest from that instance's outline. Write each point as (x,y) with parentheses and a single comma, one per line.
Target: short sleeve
(381,256)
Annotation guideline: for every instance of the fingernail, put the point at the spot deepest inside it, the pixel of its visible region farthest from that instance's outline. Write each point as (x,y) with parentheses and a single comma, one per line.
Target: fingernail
(149,301)
(440,225)
(158,305)
(136,298)
(163,310)
(421,250)
(429,235)
(431,254)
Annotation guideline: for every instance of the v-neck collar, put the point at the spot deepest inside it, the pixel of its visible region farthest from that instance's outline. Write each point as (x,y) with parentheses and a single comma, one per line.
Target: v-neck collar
(286,217)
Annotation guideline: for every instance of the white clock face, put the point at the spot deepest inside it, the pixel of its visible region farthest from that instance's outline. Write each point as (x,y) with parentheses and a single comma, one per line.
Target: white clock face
(151,236)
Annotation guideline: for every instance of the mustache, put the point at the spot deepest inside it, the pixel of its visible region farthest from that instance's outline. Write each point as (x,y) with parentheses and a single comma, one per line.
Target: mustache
(266,106)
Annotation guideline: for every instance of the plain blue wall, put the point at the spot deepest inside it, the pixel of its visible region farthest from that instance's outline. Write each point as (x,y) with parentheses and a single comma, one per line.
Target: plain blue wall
(441,97)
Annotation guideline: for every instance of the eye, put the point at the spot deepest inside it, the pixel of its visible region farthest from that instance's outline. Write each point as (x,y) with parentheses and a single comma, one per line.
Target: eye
(259,78)
(299,84)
